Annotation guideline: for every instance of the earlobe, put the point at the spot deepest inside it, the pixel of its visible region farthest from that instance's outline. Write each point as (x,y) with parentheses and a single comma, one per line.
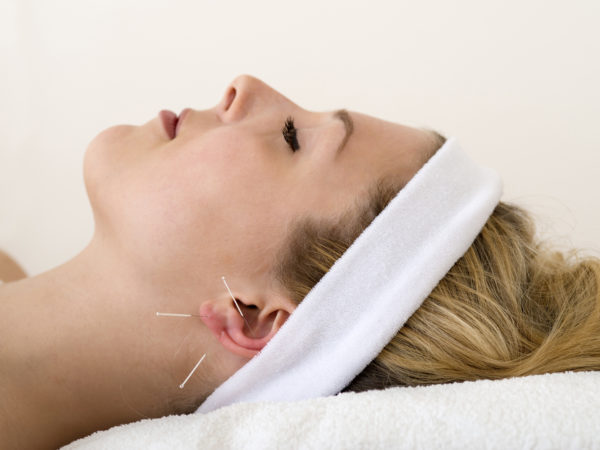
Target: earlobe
(245,336)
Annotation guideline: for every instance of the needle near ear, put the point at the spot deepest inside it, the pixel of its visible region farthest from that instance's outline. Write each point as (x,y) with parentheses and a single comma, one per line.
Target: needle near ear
(198,315)
(178,315)
(193,370)
(238,307)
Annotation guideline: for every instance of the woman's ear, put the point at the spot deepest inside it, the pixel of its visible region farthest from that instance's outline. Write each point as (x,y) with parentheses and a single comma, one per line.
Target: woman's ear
(247,333)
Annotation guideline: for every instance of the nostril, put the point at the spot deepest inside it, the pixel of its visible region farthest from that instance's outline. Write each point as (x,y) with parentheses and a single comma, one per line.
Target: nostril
(230,96)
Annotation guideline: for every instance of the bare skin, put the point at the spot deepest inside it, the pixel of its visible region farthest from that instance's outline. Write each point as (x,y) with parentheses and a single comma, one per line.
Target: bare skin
(10,270)
(81,348)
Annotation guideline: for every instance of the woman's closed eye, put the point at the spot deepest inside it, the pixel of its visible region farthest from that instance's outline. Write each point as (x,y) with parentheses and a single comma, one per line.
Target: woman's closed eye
(289,134)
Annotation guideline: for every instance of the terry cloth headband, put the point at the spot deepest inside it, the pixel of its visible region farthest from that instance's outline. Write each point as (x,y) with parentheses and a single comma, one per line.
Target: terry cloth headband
(358,306)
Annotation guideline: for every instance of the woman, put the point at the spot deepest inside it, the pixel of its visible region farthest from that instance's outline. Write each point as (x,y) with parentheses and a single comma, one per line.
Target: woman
(175,210)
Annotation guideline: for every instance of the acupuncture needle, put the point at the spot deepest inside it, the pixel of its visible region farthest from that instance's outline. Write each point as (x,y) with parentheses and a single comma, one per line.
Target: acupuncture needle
(237,306)
(179,315)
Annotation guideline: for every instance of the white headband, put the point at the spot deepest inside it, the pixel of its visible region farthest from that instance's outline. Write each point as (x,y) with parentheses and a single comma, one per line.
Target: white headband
(358,306)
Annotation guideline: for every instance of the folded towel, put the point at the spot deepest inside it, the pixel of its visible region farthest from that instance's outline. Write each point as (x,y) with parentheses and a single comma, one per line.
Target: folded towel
(551,411)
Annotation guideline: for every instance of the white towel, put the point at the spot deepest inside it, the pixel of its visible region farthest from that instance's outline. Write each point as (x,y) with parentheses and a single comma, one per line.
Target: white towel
(369,293)
(552,411)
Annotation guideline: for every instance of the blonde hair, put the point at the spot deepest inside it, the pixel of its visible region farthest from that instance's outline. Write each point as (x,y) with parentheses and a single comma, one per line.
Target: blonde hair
(510,306)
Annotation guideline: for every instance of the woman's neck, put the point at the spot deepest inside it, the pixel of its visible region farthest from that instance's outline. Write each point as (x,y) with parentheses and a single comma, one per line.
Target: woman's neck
(78,355)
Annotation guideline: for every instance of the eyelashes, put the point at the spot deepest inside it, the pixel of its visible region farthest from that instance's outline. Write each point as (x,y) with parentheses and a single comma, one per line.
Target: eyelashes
(289,133)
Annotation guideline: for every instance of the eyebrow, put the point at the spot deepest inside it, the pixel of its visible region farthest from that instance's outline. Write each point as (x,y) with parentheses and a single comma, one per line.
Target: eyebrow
(344,116)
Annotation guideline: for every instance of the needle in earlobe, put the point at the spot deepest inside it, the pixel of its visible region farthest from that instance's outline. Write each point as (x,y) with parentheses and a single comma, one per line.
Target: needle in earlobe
(237,306)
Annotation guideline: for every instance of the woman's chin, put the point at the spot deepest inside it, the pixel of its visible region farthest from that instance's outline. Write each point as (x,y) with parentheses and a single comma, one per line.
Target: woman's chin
(101,161)
(105,150)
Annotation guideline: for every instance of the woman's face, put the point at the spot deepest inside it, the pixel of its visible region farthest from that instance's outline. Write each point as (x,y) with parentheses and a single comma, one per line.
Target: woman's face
(218,198)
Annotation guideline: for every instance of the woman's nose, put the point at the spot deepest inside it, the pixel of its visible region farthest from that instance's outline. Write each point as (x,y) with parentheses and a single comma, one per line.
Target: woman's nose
(245,95)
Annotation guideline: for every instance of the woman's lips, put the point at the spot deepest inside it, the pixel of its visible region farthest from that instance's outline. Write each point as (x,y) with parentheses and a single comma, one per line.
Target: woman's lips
(169,122)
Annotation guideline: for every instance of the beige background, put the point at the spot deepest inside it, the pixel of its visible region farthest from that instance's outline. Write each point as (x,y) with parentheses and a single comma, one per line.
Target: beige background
(516,81)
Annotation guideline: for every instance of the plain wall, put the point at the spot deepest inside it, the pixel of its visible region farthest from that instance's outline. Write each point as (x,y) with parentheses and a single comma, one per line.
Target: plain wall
(516,81)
